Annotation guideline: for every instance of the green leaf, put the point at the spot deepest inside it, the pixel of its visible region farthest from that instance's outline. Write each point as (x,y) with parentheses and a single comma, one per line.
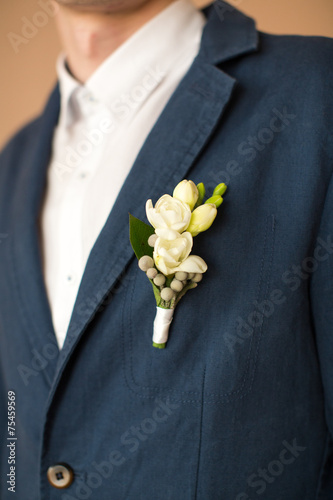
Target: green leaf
(139,234)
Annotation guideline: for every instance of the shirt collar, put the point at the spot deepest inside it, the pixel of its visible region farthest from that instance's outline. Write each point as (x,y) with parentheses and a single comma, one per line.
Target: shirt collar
(138,66)
(68,85)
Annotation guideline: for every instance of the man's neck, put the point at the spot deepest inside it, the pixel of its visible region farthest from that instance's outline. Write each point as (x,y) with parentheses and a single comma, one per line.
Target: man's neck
(90,37)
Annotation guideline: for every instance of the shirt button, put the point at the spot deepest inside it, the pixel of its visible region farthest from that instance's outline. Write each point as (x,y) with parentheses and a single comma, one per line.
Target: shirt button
(70,278)
(60,476)
(88,98)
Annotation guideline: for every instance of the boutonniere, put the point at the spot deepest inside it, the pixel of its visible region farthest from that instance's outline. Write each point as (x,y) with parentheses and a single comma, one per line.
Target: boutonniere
(164,248)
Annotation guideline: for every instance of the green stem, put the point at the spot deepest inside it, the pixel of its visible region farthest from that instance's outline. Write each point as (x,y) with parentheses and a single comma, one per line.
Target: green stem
(159,346)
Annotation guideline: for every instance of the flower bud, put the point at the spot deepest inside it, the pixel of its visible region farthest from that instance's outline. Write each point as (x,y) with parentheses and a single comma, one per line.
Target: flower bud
(220,189)
(187,192)
(202,192)
(216,200)
(202,218)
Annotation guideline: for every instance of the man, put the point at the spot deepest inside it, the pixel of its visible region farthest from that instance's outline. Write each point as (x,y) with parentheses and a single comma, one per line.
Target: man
(240,403)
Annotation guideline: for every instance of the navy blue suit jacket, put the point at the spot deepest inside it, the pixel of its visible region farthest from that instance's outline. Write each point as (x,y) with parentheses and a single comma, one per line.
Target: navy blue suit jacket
(240,403)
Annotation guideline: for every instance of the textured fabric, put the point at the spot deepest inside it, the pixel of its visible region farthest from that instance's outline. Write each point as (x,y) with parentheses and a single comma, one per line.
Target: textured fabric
(117,106)
(240,403)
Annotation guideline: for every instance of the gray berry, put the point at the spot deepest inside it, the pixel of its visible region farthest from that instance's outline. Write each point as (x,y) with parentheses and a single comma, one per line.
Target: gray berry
(152,240)
(145,263)
(152,273)
(159,279)
(181,276)
(176,285)
(167,294)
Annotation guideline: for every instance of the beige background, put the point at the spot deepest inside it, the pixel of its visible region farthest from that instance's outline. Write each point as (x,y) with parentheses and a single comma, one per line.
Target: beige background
(28,75)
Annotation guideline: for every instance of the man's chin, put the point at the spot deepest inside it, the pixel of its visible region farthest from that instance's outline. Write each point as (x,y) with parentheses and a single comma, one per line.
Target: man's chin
(108,6)
(91,6)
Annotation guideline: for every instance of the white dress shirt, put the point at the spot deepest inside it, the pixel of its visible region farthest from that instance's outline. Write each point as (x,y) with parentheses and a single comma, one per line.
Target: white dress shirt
(102,127)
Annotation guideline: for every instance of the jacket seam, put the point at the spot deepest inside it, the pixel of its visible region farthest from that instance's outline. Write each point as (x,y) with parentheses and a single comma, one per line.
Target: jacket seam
(200,436)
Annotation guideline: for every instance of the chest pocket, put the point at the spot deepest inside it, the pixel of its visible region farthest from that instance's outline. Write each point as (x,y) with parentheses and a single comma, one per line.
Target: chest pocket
(214,340)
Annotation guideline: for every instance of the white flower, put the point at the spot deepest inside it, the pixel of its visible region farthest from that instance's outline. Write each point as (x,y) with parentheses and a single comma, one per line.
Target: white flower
(186,191)
(169,213)
(172,253)
(171,248)
(202,218)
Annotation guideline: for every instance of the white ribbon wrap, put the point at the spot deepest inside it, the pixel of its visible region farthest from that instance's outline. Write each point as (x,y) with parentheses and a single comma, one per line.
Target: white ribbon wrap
(162,324)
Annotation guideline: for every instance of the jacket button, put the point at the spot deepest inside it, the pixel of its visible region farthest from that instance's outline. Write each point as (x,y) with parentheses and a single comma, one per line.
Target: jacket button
(60,476)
